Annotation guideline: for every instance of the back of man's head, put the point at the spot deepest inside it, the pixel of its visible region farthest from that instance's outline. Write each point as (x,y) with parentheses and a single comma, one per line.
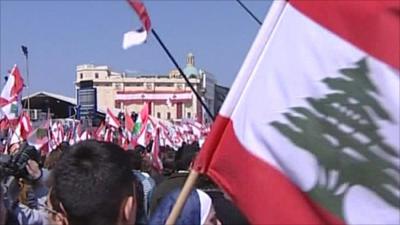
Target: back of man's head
(136,159)
(93,182)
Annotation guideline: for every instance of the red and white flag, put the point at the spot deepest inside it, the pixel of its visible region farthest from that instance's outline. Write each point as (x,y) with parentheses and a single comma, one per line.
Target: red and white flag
(139,36)
(13,87)
(10,99)
(112,120)
(39,138)
(322,144)
(100,132)
(22,130)
(155,152)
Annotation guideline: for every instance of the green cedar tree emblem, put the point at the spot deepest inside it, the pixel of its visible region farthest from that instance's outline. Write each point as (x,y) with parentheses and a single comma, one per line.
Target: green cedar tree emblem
(339,123)
(14,109)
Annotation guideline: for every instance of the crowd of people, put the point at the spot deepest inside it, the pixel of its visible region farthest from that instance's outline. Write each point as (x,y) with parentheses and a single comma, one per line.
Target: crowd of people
(96,182)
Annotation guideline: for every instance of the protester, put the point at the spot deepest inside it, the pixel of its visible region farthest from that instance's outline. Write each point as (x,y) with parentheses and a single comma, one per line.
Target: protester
(175,180)
(146,181)
(198,209)
(93,185)
(23,187)
(226,211)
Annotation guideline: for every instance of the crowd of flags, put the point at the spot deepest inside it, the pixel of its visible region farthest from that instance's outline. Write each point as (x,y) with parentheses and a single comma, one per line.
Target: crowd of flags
(126,131)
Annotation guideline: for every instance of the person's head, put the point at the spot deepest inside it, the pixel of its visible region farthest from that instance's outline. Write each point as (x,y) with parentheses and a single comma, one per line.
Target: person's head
(140,148)
(94,184)
(185,161)
(198,209)
(136,159)
(168,161)
(52,158)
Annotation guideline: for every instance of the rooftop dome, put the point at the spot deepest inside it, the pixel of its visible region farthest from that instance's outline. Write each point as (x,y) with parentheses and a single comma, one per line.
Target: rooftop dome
(190,69)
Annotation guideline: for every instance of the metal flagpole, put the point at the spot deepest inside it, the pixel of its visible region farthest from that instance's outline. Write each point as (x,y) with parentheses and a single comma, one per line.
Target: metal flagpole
(249,12)
(25,51)
(183,74)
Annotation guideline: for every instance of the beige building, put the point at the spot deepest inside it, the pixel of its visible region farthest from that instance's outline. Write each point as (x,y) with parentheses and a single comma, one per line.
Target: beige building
(168,96)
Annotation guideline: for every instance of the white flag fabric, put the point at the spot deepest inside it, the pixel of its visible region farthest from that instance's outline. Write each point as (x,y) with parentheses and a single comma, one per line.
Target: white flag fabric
(133,38)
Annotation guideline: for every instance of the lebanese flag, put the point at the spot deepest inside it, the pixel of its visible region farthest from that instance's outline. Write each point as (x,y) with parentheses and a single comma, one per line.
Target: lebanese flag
(112,120)
(321,145)
(155,152)
(100,132)
(141,119)
(22,130)
(12,88)
(10,99)
(139,36)
(129,125)
(39,137)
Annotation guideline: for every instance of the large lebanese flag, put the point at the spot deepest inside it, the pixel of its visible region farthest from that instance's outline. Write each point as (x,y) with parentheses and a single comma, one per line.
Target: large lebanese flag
(322,144)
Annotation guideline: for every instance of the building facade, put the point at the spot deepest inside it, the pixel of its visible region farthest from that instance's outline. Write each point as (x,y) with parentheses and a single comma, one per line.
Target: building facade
(168,96)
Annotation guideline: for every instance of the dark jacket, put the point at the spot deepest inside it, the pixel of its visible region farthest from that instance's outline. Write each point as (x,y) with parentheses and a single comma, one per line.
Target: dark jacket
(176,180)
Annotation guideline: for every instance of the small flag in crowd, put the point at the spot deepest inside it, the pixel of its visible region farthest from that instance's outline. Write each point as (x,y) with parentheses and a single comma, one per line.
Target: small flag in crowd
(322,146)
(139,36)
(10,99)
(112,120)
(141,119)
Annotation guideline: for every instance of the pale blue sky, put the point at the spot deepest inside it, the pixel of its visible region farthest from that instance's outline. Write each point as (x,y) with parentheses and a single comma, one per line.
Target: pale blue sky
(63,34)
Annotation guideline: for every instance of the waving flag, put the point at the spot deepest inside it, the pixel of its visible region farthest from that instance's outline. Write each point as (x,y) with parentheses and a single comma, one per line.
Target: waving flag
(138,37)
(13,86)
(155,152)
(100,132)
(141,119)
(112,120)
(22,130)
(10,99)
(322,146)
(129,123)
(39,137)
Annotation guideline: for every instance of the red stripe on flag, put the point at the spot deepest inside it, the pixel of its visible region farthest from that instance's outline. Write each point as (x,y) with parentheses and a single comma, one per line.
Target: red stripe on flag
(140,9)
(268,197)
(373,26)
(207,151)
(18,82)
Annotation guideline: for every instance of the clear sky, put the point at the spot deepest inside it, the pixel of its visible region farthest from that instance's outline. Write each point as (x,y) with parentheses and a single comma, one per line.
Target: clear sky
(63,34)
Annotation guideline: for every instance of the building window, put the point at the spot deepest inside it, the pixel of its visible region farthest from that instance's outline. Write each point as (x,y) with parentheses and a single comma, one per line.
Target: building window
(134,84)
(96,75)
(148,86)
(180,86)
(189,115)
(168,115)
(158,115)
(81,75)
(164,84)
(103,84)
(117,86)
(117,105)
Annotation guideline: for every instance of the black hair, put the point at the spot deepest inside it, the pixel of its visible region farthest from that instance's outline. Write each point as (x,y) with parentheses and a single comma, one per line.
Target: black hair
(136,159)
(186,159)
(91,180)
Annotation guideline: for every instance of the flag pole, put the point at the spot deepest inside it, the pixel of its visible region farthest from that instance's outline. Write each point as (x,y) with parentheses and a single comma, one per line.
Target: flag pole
(181,72)
(249,12)
(180,202)
(25,51)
